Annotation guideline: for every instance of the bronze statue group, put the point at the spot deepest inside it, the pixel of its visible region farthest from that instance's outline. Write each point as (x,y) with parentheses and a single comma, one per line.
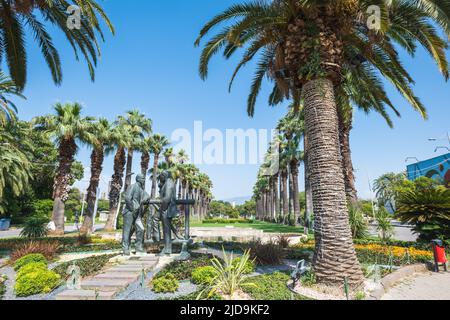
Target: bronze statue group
(162,211)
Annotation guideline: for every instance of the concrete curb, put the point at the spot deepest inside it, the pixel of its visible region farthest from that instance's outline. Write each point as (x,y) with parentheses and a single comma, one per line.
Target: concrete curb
(391,279)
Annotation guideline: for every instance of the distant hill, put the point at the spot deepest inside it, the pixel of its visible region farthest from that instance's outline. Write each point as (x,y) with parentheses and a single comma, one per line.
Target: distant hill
(237,200)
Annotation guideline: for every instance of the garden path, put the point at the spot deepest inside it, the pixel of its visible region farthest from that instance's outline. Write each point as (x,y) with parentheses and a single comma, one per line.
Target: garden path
(423,286)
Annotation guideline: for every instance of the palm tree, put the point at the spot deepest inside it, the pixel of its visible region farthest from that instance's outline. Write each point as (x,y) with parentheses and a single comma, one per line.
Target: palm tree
(138,125)
(101,139)
(385,188)
(121,139)
(17,16)
(15,166)
(169,157)
(157,144)
(314,43)
(7,108)
(145,155)
(67,127)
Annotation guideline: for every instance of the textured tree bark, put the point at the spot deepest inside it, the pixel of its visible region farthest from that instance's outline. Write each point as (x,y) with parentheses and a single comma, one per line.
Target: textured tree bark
(295,191)
(115,189)
(145,161)
(291,196)
(61,185)
(345,128)
(335,256)
(129,169)
(276,196)
(154,177)
(97,157)
(284,196)
(308,193)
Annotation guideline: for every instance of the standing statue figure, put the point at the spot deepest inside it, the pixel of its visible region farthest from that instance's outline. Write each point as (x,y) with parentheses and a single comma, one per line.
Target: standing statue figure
(168,209)
(135,197)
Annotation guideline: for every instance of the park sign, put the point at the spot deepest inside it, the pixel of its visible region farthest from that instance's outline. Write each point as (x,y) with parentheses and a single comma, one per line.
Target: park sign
(436,168)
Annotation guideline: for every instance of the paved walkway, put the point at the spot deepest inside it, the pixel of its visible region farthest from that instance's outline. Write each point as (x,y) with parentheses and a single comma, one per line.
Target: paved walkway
(107,285)
(423,286)
(15,232)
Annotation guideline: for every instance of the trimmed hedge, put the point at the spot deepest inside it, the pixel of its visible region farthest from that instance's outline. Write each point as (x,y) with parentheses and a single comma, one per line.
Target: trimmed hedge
(204,275)
(31,267)
(165,284)
(36,282)
(225,221)
(28,259)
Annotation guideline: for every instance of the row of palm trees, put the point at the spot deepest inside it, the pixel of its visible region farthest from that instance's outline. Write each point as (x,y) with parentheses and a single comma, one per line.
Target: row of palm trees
(277,192)
(326,57)
(128,134)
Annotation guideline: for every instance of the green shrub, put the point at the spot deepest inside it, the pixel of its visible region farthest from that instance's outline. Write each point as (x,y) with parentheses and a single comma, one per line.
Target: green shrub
(165,284)
(182,270)
(226,221)
(308,279)
(271,287)
(31,258)
(36,282)
(35,227)
(42,208)
(3,279)
(204,275)
(249,266)
(31,267)
(358,223)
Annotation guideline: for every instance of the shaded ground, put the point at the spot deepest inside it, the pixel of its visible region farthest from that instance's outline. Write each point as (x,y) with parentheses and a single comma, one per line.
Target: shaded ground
(426,286)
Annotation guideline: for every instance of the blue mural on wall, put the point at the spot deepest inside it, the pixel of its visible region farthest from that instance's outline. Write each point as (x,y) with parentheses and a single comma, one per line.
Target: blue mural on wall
(436,168)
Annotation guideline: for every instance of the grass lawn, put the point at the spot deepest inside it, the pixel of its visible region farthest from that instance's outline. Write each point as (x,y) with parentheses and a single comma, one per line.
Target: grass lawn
(259,225)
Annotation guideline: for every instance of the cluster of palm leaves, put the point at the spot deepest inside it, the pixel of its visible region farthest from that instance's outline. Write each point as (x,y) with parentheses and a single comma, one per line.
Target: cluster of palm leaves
(323,55)
(17,17)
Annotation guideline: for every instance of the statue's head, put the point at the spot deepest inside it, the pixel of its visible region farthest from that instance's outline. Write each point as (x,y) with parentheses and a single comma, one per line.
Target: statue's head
(140,179)
(164,176)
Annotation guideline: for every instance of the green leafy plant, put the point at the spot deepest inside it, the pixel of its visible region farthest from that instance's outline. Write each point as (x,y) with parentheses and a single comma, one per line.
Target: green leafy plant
(428,209)
(249,266)
(165,284)
(270,253)
(30,258)
(3,279)
(384,225)
(230,277)
(35,227)
(360,295)
(358,223)
(308,279)
(31,267)
(43,208)
(182,270)
(271,287)
(35,282)
(204,275)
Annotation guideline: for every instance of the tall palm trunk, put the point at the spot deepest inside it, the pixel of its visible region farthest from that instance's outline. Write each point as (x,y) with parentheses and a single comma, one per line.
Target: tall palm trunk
(308,193)
(276,197)
(291,196)
(295,191)
(129,169)
(335,256)
(67,151)
(145,162)
(349,177)
(284,195)
(97,157)
(115,188)
(155,176)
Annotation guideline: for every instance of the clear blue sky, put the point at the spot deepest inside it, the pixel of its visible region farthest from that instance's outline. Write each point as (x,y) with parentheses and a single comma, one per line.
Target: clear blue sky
(151,64)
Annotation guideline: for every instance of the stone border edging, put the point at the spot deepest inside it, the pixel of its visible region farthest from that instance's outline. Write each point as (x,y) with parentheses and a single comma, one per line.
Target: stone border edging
(391,279)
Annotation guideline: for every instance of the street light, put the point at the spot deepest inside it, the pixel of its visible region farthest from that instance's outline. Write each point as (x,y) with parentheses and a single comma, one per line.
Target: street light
(412,158)
(438,148)
(442,138)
